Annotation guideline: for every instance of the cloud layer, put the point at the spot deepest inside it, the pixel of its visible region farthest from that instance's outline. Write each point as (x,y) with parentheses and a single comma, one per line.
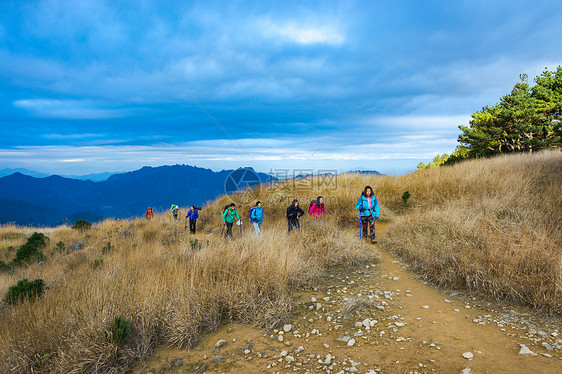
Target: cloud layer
(80,89)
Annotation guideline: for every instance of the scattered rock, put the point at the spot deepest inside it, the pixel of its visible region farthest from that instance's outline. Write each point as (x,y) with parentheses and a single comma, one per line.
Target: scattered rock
(524,350)
(468,355)
(221,343)
(216,359)
(425,306)
(288,327)
(351,342)
(466,371)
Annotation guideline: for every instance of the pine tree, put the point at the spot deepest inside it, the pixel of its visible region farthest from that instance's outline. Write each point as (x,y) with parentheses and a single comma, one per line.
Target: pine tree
(528,119)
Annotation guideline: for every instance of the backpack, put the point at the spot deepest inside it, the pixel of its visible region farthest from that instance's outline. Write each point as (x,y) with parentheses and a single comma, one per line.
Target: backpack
(225,208)
(312,202)
(252,211)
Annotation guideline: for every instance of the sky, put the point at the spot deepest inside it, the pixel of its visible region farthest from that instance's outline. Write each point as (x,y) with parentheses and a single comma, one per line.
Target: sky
(96,86)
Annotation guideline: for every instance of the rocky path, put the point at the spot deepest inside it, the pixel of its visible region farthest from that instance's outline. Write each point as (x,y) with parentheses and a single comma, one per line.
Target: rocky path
(377,319)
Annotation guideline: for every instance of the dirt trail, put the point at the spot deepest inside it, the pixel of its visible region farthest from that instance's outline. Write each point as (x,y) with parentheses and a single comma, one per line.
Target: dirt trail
(398,325)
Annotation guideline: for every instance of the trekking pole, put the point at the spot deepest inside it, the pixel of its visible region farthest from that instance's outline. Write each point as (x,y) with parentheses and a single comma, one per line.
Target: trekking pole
(222,231)
(359,226)
(240,228)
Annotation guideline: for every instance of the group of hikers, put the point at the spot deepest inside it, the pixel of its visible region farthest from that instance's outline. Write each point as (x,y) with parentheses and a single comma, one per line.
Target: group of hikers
(191,217)
(367,205)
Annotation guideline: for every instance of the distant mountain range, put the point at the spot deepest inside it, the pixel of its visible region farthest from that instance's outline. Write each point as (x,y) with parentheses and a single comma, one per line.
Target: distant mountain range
(52,200)
(94,177)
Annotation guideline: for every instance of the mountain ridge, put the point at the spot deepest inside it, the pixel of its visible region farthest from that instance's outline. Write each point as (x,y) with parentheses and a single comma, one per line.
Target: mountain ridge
(122,195)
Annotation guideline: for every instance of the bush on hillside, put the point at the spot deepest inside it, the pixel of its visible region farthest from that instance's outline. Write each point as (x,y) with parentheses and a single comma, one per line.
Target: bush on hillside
(31,251)
(58,248)
(4,267)
(82,225)
(25,290)
(119,331)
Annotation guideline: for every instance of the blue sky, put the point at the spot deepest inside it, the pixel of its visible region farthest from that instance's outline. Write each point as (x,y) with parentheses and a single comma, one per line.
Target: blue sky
(81,90)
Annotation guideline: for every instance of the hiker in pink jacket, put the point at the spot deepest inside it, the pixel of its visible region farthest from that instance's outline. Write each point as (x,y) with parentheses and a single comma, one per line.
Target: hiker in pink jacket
(317,211)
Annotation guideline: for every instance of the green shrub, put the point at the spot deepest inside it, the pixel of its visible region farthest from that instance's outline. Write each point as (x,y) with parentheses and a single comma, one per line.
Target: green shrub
(194,243)
(4,267)
(405,196)
(25,290)
(31,251)
(58,248)
(105,250)
(97,262)
(82,225)
(119,331)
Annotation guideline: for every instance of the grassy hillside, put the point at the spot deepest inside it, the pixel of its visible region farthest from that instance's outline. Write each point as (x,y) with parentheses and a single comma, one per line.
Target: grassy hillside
(491,226)
(169,289)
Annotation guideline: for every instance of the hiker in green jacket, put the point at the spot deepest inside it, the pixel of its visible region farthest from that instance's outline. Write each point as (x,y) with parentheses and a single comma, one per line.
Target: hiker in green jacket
(175,211)
(230,216)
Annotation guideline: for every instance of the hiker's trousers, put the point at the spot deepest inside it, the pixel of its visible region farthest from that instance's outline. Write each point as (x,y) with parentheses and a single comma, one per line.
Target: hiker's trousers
(257,226)
(229,229)
(370,220)
(294,223)
(192,224)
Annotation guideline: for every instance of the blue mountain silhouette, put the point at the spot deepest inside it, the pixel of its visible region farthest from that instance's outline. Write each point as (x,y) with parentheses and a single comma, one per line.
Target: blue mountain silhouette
(53,200)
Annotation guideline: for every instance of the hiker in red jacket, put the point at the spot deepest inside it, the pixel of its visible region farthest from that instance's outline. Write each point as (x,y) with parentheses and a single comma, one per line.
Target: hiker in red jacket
(317,211)
(149,213)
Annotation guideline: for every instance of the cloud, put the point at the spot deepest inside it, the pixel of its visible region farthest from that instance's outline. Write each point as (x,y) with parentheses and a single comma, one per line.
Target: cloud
(288,152)
(69,109)
(303,34)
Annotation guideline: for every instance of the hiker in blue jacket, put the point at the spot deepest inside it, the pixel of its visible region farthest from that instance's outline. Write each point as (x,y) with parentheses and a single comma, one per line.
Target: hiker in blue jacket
(256,217)
(369,208)
(192,216)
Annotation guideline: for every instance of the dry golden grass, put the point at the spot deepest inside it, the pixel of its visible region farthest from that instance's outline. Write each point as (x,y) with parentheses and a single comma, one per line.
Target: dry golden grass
(492,226)
(171,293)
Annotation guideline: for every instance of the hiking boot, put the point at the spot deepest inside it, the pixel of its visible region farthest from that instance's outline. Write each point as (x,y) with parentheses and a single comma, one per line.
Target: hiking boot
(374,241)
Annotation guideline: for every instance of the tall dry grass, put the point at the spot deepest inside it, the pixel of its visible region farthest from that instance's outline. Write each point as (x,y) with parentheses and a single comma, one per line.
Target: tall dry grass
(171,293)
(490,226)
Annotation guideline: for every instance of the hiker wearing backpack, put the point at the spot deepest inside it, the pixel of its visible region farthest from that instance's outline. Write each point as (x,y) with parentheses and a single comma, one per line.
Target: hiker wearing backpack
(317,210)
(175,211)
(294,212)
(192,216)
(256,217)
(229,216)
(369,211)
(149,213)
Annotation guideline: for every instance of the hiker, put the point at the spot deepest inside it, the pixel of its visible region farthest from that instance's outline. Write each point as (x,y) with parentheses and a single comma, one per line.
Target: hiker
(149,213)
(192,216)
(317,210)
(175,210)
(369,211)
(294,212)
(228,217)
(256,217)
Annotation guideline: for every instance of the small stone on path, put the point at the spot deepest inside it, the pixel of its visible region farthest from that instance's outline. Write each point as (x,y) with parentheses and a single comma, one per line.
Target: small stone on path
(524,350)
